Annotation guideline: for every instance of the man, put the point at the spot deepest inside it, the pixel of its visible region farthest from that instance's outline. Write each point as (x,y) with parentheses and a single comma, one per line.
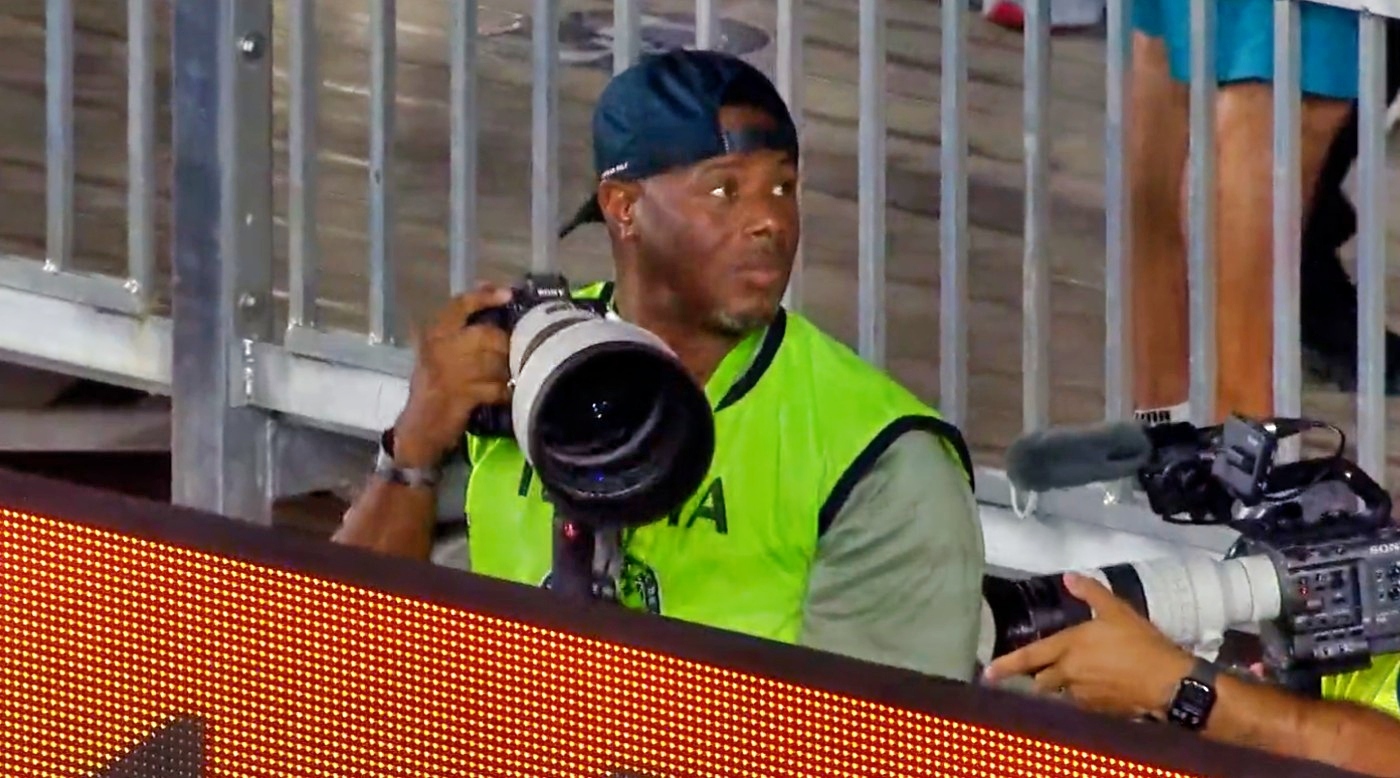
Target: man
(1120,664)
(1244,187)
(838,513)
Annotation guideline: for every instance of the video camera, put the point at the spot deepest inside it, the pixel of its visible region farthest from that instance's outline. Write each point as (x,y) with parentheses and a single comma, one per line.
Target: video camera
(1317,563)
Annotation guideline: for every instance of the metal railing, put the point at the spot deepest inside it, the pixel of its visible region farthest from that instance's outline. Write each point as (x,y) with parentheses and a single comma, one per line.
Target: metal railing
(242,393)
(131,294)
(105,332)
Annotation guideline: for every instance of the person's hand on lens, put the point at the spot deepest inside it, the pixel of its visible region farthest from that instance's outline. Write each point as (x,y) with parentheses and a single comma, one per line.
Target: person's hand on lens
(1116,663)
(457,368)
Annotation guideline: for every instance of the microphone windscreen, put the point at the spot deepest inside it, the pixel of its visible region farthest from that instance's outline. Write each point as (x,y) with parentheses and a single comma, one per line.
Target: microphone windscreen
(1067,457)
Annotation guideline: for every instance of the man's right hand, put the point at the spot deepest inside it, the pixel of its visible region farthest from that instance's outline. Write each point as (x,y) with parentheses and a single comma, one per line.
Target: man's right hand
(456,369)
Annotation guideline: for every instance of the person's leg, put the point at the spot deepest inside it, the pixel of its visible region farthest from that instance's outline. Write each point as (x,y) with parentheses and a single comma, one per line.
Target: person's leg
(1244,234)
(1244,185)
(1157,155)
(1243,258)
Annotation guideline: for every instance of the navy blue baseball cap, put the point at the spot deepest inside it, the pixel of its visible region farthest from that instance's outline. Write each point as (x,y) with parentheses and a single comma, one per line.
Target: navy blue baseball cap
(663,113)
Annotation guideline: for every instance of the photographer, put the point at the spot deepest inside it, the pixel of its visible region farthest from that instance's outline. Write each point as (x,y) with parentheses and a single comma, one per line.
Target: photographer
(838,511)
(1120,664)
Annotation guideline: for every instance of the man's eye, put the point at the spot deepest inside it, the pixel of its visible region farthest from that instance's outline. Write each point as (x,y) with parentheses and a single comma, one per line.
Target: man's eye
(785,189)
(727,190)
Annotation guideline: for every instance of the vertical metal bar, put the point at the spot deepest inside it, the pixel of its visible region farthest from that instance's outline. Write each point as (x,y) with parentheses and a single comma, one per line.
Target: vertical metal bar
(58,135)
(1118,282)
(706,24)
(952,225)
(791,44)
(627,33)
(1287,216)
(1201,210)
(1371,260)
(140,154)
(464,151)
(544,138)
(222,113)
(383,88)
(304,251)
(871,184)
(1035,280)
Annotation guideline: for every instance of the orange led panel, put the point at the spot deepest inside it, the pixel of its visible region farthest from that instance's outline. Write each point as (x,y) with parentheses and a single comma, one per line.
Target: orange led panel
(121,648)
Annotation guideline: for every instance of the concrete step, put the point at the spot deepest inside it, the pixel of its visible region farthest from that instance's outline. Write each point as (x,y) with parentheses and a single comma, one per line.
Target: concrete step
(42,411)
(124,429)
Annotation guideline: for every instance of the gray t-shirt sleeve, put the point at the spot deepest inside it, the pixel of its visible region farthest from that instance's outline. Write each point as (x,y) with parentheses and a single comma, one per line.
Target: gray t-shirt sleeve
(898,574)
(450,542)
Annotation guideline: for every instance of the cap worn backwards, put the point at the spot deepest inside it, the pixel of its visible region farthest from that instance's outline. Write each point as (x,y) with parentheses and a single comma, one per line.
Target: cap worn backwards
(663,113)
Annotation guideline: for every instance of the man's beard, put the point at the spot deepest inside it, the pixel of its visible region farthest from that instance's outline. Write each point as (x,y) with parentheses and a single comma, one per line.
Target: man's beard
(741,324)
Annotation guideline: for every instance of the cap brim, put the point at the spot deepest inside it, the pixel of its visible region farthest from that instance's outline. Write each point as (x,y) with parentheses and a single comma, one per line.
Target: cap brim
(588,213)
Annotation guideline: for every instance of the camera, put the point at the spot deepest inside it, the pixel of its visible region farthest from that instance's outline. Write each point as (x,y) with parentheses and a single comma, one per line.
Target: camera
(615,428)
(1316,565)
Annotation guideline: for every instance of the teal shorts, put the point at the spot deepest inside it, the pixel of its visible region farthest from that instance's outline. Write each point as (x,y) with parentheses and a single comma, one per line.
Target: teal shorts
(1244,42)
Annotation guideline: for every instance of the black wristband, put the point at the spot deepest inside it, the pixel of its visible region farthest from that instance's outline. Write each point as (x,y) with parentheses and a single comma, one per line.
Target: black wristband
(385,467)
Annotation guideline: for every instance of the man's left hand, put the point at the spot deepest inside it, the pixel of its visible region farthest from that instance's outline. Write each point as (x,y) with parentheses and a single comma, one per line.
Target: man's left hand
(1117,663)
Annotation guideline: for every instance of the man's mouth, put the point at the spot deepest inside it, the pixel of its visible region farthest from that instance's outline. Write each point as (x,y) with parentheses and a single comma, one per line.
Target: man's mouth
(762,274)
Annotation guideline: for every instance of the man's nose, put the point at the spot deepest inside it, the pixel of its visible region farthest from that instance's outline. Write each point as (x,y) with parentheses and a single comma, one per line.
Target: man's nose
(764,223)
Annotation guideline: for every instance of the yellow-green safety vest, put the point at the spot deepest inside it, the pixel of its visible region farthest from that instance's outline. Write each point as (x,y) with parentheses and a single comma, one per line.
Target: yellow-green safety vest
(799,419)
(1378,686)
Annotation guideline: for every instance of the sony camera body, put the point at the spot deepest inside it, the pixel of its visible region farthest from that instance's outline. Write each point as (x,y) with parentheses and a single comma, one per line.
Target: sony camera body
(534,291)
(1340,597)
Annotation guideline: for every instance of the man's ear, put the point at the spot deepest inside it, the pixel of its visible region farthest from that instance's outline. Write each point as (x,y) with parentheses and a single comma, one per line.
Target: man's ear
(618,200)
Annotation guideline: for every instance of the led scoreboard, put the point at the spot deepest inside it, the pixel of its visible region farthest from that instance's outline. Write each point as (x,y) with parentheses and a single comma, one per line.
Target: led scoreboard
(144,640)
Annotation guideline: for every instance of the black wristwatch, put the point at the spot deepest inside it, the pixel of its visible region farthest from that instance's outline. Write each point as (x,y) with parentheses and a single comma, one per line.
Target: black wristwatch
(1195,697)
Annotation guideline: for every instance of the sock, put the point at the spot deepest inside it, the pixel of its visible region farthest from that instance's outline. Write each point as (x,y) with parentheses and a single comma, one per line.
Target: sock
(1166,415)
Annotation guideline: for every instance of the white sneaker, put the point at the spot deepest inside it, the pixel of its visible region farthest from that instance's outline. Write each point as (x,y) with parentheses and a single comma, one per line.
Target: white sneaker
(1173,413)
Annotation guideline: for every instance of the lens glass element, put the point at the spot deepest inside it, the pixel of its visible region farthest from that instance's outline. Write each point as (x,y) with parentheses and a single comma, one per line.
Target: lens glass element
(597,407)
(622,434)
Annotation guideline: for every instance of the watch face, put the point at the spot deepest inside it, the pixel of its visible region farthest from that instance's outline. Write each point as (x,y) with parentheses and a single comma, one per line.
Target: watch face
(1192,704)
(1195,690)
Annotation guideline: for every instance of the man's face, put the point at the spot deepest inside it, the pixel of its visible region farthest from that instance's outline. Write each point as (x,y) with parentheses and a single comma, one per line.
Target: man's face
(721,235)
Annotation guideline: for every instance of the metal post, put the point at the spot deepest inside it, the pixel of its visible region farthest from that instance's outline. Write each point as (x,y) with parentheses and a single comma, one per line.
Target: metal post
(304,253)
(1201,194)
(544,138)
(58,132)
(1371,260)
(1287,217)
(627,33)
(222,110)
(1118,237)
(1035,281)
(141,157)
(706,24)
(383,91)
(952,223)
(465,148)
(871,184)
(790,72)
(1118,282)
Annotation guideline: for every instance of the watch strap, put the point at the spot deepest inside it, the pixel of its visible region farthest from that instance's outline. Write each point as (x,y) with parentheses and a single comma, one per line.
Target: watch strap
(386,468)
(1195,696)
